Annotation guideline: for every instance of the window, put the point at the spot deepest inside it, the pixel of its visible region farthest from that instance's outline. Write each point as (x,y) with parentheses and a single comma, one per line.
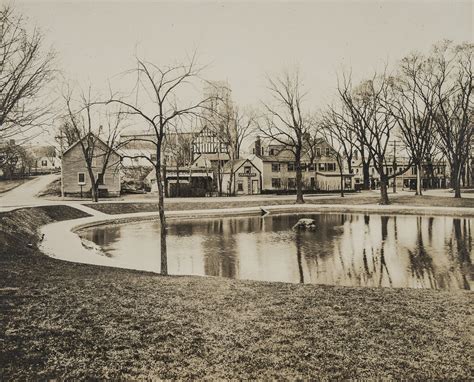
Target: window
(328,152)
(311,167)
(275,167)
(44,163)
(240,187)
(81,178)
(271,152)
(331,167)
(291,183)
(318,151)
(276,182)
(321,166)
(100,178)
(247,169)
(313,183)
(291,166)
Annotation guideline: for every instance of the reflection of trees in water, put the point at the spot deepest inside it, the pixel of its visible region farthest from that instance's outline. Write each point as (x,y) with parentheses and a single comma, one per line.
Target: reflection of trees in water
(298,241)
(383,264)
(104,235)
(421,263)
(220,248)
(460,249)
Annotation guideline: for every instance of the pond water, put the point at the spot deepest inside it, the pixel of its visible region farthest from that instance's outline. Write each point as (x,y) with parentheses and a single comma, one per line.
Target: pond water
(345,249)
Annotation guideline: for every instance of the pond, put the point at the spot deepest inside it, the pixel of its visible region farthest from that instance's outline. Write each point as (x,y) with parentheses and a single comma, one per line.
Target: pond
(345,249)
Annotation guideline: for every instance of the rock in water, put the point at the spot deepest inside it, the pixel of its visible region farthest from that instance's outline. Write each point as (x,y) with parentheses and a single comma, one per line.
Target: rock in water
(308,224)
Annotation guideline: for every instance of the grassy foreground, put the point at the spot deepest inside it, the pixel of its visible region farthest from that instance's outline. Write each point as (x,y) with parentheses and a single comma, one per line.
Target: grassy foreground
(64,320)
(351,199)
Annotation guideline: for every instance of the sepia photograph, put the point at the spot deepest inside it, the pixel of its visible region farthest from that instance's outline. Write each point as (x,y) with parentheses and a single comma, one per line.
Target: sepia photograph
(236,190)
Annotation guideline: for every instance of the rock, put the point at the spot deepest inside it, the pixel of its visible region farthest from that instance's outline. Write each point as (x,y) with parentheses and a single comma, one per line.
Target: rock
(307,224)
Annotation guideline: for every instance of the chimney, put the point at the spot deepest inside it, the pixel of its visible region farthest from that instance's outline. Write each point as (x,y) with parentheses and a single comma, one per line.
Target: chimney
(258,147)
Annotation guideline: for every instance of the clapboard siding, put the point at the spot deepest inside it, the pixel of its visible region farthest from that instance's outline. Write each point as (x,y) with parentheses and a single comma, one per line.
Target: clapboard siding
(73,163)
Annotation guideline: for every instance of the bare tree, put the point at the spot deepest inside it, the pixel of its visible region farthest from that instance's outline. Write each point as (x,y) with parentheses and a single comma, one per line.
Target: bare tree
(369,105)
(285,121)
(231,132)
(97,142)
(156,103)
(362,137)
(25,69)
(179,144)
(413,106)
(451,80)
(340,136)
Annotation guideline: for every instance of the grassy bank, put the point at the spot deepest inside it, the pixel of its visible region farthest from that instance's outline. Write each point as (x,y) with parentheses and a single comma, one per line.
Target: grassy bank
(206,203)
(65,320)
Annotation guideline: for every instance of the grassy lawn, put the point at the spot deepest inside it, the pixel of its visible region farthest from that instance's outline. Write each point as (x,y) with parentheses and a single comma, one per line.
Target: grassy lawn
(170,205)
(64,320)
(7,185)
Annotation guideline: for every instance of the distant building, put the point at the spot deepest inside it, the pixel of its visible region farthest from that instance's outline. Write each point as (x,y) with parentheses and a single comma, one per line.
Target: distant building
(244,177)
(75,175)
(320,171)
(44,159)
(434,174)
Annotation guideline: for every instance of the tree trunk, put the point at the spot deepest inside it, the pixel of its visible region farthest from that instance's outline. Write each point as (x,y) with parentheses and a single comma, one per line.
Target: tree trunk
(383,190)
(366,174)
(342,181)
(418,180)
(165,181)
(161,211)
(457,188)
(94,192)
(299,179)
(177,181)
(456,179)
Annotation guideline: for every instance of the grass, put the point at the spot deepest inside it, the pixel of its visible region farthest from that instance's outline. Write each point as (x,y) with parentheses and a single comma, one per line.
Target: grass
(206,203)
(63,320)
(7,185)
(52,189)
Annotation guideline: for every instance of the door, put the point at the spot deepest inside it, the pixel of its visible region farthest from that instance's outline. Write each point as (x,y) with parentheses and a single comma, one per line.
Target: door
(255,187)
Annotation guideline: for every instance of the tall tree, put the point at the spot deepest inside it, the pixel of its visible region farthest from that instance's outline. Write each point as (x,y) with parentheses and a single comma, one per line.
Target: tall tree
(25,69)
(339,134)
(362,138)
(156,103)
(369,105)
(452,81)
(413,106)
(285,121)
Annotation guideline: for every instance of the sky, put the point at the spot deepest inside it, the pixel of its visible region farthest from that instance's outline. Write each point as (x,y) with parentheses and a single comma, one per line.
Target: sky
(241,41)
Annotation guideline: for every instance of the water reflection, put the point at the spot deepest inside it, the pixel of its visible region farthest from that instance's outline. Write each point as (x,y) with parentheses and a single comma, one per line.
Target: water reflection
(346,249)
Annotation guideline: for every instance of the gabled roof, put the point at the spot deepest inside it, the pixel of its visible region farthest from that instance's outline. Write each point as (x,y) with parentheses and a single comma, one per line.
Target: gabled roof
(84,137)
(237,164)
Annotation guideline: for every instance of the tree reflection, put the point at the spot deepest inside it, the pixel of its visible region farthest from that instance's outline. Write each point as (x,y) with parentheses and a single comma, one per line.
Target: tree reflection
(462,247)
(299,242)
(383,264)
(421,263)
(220,249)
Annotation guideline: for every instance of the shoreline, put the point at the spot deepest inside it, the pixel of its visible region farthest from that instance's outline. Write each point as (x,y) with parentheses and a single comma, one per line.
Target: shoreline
(62,241)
